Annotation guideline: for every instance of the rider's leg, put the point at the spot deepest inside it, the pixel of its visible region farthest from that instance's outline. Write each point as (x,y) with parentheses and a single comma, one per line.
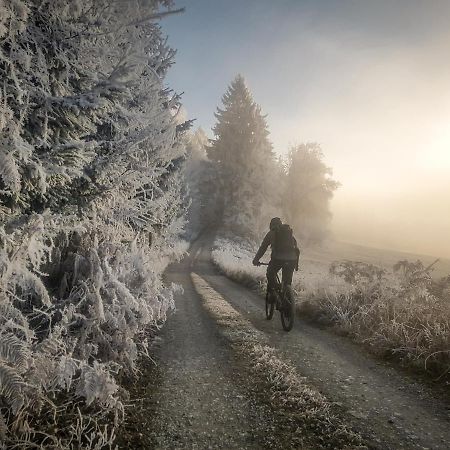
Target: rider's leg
(272,270)
(288,272)
(271,275)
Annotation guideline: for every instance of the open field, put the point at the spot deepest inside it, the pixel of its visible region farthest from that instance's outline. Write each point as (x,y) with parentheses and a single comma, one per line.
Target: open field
(333,251)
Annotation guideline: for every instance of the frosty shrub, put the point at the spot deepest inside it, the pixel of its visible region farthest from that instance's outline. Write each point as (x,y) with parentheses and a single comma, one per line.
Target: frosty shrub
(395,313)
(91,208)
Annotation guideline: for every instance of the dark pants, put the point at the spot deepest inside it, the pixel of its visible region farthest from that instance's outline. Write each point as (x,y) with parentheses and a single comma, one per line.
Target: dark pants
(274,266)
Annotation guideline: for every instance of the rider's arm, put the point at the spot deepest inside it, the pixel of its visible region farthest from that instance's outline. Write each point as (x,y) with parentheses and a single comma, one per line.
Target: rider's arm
(262,249)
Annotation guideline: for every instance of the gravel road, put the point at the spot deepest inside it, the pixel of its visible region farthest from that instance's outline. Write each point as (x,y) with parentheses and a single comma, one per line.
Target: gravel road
(194,395)
(199,395)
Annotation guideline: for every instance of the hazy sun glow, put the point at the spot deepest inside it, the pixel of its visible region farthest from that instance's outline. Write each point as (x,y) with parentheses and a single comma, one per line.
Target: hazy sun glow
(369,81)
(385,131)
(438,156)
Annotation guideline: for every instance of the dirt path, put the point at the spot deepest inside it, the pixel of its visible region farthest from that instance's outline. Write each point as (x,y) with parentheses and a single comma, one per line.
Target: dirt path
(202,399)
(194,395)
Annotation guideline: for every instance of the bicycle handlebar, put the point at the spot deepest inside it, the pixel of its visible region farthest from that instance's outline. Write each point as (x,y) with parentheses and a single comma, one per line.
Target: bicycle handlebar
(266,264)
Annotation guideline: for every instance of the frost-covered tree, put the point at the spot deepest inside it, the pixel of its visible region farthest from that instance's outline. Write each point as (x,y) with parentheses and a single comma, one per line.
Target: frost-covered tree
(245,162)
(91,207)
(308,191)
(200,178)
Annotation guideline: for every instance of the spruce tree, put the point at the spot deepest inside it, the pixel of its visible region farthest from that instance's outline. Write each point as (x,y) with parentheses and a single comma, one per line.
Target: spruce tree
(245,162)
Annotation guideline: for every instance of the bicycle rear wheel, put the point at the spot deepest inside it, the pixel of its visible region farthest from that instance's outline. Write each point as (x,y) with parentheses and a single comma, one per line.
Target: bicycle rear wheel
(287,309)
(269,307)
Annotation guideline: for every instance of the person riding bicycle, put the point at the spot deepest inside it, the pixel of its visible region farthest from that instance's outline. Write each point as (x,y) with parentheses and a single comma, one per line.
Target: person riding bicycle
(285,253)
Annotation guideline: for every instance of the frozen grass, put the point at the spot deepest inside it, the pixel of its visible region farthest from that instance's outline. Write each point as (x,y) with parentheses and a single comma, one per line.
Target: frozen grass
(308,411)
(235,261)
(395,314)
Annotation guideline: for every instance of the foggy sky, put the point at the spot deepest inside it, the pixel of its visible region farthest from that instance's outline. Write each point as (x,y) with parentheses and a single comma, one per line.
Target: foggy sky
(368,80)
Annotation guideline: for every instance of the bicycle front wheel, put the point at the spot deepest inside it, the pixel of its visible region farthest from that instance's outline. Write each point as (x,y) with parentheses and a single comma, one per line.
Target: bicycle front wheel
(269,307)
(287,310)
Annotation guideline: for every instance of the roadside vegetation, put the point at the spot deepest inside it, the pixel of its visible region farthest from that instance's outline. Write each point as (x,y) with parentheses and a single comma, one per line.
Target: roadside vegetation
(401,312)
(91,210)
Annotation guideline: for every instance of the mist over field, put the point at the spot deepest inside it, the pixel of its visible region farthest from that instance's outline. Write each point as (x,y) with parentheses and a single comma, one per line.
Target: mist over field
(418,223)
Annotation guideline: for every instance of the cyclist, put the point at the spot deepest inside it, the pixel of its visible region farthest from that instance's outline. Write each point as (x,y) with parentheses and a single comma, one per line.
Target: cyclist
(285,253)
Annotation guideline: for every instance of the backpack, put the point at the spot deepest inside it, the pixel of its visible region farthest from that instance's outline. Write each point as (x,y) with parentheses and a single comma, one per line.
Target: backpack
(284,239)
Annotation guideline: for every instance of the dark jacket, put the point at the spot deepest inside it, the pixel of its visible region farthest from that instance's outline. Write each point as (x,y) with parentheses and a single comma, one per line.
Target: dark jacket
(269,239)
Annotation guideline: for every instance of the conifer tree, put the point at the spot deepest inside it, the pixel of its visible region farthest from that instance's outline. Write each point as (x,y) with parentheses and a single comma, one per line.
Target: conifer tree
(308,191)
(245,162)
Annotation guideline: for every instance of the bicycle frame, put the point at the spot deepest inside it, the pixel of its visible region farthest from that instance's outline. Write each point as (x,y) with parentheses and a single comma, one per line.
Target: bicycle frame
(284,304)
(280,285)
(280,289)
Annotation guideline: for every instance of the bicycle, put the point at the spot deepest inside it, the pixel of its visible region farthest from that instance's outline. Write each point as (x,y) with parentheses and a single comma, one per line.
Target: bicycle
(284,298)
